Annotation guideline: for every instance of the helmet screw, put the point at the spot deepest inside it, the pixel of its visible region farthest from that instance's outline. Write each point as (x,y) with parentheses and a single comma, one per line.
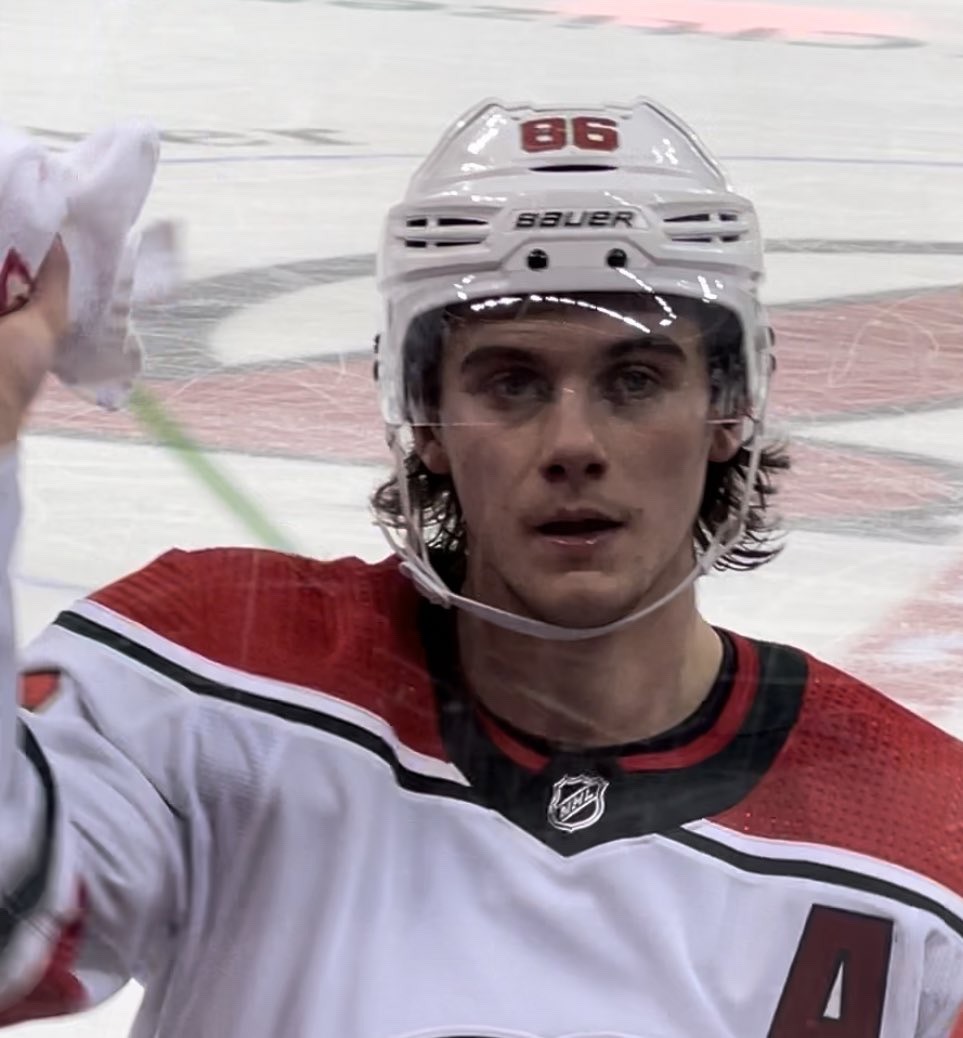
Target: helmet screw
(537,259)
(617,258)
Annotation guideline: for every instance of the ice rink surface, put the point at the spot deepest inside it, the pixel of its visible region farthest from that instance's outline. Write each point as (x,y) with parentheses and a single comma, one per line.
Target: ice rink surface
(290,126)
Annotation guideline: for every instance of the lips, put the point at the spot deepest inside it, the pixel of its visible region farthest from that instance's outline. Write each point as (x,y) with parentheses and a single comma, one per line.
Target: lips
(583,529)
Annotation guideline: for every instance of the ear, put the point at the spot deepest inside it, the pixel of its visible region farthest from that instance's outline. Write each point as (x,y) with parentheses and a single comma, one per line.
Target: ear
(431,450)
(726,439)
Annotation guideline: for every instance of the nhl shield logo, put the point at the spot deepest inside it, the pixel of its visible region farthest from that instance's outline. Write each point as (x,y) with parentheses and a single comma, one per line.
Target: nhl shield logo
(578,801)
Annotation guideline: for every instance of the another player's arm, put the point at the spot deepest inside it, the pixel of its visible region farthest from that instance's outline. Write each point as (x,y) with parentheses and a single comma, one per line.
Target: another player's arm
(91,854)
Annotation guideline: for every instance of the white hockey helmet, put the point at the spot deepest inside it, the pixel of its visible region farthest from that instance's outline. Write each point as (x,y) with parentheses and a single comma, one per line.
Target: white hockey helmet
(547,204)
(522,200)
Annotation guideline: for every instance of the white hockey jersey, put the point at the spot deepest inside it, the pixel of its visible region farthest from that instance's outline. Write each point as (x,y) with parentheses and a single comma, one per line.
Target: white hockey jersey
(254,784)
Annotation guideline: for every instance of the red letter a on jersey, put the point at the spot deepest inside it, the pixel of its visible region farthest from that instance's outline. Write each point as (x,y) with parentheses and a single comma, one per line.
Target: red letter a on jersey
(837,983)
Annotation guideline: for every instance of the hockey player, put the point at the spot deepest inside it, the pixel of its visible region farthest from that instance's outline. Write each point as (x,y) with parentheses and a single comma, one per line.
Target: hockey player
(507,782)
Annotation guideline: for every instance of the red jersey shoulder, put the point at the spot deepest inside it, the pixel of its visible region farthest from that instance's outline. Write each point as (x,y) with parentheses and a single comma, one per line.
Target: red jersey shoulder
(234,600)
(347,628)
(861,772)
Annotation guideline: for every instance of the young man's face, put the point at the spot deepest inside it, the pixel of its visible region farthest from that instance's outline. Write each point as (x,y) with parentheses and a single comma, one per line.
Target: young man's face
(578,445)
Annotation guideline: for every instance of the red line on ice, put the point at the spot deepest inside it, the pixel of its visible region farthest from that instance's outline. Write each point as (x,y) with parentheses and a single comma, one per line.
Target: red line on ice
(916,653)
(718,16)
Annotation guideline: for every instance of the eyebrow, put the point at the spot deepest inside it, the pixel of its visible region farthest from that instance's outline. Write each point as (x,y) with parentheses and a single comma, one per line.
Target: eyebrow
(653,343)
(493,353)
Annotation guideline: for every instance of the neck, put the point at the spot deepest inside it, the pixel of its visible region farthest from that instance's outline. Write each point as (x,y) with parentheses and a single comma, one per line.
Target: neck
(633,684)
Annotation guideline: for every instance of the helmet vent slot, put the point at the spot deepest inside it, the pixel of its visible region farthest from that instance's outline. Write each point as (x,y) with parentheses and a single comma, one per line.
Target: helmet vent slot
(573,168)
(712,228)
(444,232)
(460,221)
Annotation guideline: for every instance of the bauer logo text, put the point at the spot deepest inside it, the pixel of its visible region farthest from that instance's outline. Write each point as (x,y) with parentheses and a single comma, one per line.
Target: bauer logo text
(560,219)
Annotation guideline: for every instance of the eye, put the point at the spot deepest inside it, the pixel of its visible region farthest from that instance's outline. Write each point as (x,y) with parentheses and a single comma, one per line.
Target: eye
(631,383)
(515,385)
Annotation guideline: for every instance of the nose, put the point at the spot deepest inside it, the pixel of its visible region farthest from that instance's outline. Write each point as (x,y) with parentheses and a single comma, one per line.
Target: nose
(572,451)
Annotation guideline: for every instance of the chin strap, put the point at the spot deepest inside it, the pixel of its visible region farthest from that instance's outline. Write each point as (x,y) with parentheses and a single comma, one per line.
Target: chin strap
(416,564)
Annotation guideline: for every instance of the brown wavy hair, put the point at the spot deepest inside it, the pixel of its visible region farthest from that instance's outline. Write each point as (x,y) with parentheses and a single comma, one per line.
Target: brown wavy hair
(434,497)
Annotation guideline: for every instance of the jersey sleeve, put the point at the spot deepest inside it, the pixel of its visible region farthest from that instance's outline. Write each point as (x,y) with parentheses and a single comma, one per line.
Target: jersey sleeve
(958,1027)
(94,872)
(941,1005)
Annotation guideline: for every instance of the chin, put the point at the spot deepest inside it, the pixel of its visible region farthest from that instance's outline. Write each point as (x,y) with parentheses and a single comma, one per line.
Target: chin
(581,600)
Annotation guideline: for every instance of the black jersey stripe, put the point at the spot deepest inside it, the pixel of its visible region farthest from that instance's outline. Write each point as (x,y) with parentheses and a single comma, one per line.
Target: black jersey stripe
(835,875)
(407,778)
(19,904)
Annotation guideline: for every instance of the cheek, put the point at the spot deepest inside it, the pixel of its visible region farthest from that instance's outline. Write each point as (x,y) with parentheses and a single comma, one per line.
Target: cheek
(486,467)
(666,464)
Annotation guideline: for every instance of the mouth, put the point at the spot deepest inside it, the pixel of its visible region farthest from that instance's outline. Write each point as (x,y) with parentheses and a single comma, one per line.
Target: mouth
(583,532)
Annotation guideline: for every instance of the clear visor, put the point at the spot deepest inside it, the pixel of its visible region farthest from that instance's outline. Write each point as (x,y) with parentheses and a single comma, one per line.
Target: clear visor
(518,354)
(664,304)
